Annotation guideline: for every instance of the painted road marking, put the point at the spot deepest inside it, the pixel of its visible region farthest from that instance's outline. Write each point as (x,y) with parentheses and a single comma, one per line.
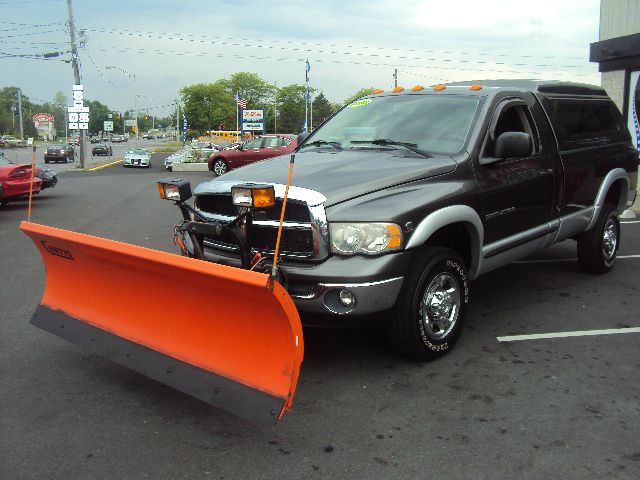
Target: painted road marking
(102,166)
(579,333)
(631,221)
(553,260)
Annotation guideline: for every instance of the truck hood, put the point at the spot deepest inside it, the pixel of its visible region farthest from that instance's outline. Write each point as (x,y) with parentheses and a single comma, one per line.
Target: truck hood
(341,176)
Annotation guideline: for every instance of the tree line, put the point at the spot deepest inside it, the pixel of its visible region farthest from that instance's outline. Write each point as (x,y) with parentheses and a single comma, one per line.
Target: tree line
(208,106)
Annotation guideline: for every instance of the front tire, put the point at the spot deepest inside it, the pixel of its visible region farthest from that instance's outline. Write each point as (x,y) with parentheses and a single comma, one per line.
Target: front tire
(598,248)
(219,166)
(427,319)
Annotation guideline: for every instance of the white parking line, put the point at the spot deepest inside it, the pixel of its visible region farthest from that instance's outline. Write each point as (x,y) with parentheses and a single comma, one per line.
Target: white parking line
(579,333)
(553,260)
(631,221)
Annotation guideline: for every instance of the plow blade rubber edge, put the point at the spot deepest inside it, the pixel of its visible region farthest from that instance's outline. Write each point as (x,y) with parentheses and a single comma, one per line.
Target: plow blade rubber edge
(217,333)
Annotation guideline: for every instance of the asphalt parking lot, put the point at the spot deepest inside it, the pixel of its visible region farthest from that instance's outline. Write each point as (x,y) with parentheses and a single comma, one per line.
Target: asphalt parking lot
(536,409)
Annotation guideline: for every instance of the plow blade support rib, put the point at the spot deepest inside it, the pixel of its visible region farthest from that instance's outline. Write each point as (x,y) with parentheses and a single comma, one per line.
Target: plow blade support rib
(215,332)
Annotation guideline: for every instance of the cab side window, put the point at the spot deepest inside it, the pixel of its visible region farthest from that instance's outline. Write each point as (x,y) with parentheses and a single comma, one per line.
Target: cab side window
(514,118)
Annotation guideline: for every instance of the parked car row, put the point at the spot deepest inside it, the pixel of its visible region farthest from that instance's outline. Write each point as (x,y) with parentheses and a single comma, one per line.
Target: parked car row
(196,151)
(10,141)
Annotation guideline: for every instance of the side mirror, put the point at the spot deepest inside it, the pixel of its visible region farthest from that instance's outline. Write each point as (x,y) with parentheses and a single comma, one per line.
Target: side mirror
(513,144)
(509,145)
(302,137)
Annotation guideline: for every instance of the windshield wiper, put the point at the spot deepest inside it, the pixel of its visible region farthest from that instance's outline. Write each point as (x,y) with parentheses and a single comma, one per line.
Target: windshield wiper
(318,143)
(385,141)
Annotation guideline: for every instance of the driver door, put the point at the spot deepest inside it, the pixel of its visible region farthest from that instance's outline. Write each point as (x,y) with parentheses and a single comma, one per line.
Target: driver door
(516,193)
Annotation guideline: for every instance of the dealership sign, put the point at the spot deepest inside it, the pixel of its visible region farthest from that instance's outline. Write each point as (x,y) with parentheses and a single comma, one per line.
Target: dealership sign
(253,120)
(43,117)
(78,113)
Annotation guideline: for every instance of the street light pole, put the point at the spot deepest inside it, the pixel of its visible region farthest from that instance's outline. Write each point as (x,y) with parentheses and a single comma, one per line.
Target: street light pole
(135,103)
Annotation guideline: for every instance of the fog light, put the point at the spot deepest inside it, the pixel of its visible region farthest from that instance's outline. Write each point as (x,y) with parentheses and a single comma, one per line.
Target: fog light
(347,298)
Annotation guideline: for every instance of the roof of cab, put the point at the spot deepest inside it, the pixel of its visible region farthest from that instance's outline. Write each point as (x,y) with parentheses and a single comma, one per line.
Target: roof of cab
(489,87)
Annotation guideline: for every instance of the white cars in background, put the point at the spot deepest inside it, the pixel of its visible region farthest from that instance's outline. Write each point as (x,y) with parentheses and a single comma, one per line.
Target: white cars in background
(137,157)
(196,152)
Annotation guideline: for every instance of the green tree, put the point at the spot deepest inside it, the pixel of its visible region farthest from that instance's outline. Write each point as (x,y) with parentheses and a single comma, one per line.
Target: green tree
(360,93)
(291,108)
(251,87)
(322,109)
(98,113)
(207,105)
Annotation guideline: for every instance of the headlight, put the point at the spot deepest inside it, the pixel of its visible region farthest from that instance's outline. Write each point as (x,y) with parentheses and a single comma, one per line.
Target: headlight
(256,195)
(367,238)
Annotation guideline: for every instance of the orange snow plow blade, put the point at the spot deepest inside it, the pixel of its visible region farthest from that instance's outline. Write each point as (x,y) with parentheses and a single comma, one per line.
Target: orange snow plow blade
(217,333)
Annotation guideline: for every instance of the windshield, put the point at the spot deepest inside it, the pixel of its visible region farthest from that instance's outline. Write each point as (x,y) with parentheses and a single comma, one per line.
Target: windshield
(138,151)
(430,123)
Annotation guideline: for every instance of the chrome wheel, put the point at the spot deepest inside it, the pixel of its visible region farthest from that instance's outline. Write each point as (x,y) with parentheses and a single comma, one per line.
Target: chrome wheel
(219,167)
(610,240)
(440,306)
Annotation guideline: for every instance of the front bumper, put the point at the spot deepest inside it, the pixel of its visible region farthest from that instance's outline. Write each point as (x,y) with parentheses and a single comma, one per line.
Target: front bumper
(136,162)
(375,282)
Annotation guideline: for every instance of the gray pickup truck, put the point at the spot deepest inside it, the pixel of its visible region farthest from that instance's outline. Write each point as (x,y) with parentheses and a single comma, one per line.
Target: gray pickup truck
(401,199)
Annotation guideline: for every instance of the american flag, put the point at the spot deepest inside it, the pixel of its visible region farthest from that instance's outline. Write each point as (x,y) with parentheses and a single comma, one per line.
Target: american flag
(242,102)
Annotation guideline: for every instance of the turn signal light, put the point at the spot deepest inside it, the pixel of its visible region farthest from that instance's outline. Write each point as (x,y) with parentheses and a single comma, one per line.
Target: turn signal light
(417,88)
(395,236)
(397,89)
(475,86)
(377,91)
(439,87)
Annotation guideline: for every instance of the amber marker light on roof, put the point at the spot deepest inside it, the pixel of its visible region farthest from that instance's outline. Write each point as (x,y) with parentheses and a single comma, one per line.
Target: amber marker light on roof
(417,88)
(397,89)
(475,86)
(439,87)
(377,91)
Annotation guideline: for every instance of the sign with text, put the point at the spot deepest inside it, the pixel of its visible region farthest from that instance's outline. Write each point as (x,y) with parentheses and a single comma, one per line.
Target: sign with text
(253,115)
(108,126)
(129,123)
(253,126)
(78,113)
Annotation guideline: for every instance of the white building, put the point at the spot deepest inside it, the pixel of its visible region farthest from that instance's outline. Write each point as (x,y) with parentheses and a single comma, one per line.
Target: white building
(618,55)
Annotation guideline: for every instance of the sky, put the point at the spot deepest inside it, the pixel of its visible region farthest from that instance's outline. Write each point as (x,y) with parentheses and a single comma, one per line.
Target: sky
(349,44)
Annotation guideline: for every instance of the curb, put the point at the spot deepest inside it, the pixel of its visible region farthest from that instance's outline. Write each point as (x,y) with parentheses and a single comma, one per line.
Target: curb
(93,169)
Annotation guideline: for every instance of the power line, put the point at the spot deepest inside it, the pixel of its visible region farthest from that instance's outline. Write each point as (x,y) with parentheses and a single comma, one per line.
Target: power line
(317,60)
(173,37)
(30,33)
(334,45)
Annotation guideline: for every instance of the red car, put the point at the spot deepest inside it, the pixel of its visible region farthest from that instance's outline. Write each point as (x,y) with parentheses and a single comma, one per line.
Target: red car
(15,180)
(264,146)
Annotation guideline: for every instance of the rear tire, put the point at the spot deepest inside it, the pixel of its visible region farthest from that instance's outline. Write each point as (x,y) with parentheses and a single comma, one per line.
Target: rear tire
(219,167)
(598,247)
(428,316)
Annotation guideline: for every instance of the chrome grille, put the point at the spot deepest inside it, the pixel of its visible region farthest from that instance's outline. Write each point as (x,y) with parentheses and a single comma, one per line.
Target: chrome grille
(300,228)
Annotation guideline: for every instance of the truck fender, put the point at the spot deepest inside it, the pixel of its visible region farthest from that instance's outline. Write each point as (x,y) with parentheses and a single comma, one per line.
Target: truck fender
(611,177)
(446,216)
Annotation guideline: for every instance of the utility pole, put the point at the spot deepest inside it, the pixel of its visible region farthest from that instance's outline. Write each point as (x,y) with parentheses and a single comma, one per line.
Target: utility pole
(177,119)
(275,108)
(76,71)
(20,113)
(395,77)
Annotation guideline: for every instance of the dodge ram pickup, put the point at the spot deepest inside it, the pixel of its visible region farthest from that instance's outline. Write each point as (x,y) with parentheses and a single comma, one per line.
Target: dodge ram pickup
(402,199)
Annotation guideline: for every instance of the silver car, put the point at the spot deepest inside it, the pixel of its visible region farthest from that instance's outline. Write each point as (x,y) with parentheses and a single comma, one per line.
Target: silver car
(137,157)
